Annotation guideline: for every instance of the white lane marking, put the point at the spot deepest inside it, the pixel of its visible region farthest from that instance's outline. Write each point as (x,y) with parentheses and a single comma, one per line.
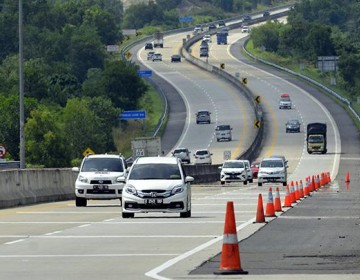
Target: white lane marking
(15,241)
(51,233)
(154,272)
(86,225)
(86,256)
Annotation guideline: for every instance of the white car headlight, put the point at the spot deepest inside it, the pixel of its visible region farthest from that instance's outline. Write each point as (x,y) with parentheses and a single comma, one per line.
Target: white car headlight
(177,189)
(83,179)
(130,189)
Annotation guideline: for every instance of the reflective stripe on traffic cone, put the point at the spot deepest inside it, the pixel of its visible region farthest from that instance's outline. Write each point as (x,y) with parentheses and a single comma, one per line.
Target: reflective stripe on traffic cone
(277,202)
(270,210)
(306,189)
(297,193)
(230,255)
(301,189)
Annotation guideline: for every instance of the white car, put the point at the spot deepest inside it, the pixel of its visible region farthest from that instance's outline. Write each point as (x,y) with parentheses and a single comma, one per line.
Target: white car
(285,101)
(157,184)
(156,57)
(203,156)
(100,177)
(233,171)
(272,170)
(207,39)
(245,29)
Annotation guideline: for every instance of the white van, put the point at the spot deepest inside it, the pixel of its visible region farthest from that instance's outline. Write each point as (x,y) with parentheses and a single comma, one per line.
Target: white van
(272,170)
(223,132)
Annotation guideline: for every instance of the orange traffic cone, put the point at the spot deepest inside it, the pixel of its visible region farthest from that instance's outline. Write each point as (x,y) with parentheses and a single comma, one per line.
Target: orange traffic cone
(347,178)
(270,210)
(306,189)
(230,255)
(292,192)
(277,202)
(260,217)
(287,202)
(312,186)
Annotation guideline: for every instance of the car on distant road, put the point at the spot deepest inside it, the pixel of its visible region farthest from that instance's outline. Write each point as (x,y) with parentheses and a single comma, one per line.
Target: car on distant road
(285,101)
(223,132)
(100,178)
(207,38)
(150,55)
(221,23)
(255,168)
(203,116)
(212,26)
(183,154)
(246,18)
(157,184)
(149,46)
(233,171)
(175,58)
(245,29)
(157,57)
(266,13)
(292,125)
(203,156)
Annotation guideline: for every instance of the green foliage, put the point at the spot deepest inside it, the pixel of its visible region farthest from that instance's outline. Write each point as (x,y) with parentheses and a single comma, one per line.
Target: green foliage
(267,36)
(122,84)
(45,142)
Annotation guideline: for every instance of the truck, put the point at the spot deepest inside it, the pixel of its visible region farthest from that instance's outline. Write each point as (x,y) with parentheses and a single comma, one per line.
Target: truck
(158,39)
(204,49)
(146,147)
(221,37)
(316,138)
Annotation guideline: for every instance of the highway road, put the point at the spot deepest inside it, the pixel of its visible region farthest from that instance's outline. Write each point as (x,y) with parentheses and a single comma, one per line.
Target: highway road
(59,241)
(203,91)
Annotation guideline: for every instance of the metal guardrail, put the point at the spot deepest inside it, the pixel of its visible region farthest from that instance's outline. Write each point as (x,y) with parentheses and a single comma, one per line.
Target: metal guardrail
(328,90)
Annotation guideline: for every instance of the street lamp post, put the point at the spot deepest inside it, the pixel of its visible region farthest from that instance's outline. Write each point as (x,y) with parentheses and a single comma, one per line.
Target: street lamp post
(21,87)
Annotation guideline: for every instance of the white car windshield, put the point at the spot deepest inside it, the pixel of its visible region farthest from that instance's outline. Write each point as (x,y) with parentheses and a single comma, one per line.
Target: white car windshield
(155,171)
(272,163)
(233,164)
(102,164)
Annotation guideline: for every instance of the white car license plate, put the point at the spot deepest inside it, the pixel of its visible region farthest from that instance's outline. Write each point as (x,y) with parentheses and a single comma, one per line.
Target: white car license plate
(153,201)
(100,187)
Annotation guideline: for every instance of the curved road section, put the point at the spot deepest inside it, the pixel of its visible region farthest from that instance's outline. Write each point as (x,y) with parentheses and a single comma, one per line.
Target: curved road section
(318,237)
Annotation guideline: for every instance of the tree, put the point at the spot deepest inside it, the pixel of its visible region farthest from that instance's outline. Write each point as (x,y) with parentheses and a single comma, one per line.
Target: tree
(266,36)
(122,84)
(45,142)
(85,51)
(83,127)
